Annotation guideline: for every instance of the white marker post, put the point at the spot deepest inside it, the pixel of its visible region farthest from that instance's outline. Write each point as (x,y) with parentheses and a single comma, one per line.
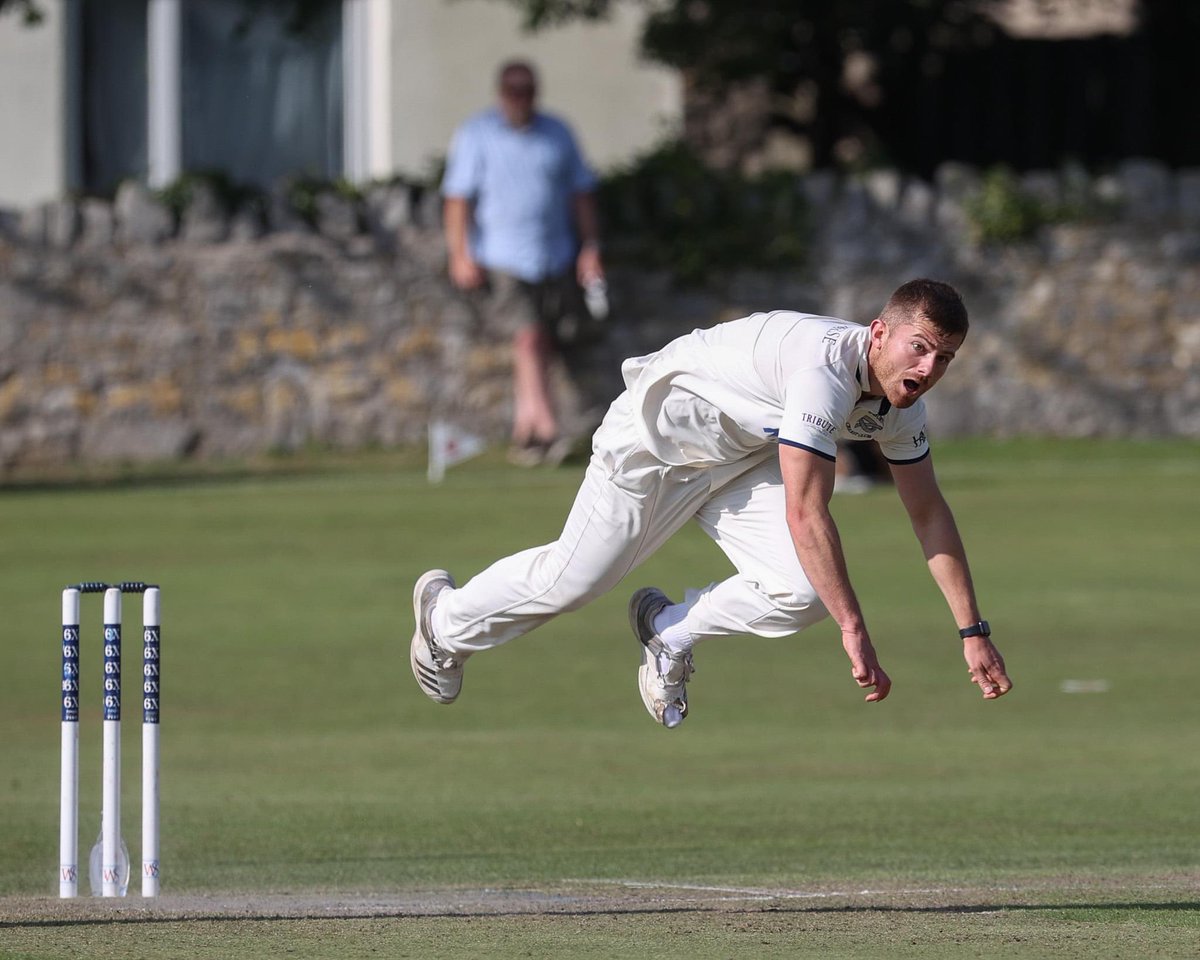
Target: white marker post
(150,705)
(68,808)
(110,811)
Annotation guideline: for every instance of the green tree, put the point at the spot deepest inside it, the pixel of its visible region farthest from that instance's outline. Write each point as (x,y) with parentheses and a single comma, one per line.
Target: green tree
(829,66)
(30,10)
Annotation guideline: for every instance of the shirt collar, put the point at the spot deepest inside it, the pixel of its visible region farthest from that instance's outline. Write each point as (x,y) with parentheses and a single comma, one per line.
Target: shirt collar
(864,375)
(864,378)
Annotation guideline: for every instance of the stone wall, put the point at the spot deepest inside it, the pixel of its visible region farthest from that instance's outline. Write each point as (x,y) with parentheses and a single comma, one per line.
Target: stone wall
(125,335)
(242,347)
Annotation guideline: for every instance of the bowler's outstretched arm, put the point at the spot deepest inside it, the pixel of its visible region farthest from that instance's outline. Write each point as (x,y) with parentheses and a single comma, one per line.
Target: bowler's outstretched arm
(808,485)
(934,525)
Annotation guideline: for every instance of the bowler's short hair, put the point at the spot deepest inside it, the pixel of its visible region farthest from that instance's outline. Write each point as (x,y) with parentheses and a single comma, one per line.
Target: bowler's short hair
(931,300)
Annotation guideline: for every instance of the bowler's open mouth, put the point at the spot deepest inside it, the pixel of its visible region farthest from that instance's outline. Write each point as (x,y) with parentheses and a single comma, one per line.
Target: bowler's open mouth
(911,385)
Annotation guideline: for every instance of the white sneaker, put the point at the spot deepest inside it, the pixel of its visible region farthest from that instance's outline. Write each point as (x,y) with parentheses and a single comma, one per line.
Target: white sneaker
(439,673)
(663,675)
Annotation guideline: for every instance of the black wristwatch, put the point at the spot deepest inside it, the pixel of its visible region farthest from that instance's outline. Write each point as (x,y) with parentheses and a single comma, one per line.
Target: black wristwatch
(980,629)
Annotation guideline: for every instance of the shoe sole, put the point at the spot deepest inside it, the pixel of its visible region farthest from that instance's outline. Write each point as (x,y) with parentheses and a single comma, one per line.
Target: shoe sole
(648,669)
(427,683)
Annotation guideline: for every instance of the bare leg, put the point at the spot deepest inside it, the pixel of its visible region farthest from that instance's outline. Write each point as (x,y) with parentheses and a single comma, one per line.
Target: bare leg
(533,412)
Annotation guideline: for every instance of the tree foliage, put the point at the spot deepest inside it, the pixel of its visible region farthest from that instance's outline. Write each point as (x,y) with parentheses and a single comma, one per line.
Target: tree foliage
(668,210)
(907,82)
(536,14)
(826,64)
(31,12)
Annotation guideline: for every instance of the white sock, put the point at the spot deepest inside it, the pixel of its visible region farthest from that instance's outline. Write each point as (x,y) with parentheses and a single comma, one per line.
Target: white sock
(437,623)
(670,624)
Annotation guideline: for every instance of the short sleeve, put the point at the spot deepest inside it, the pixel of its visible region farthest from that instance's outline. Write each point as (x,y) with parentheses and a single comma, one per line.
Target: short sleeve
(908,441)
(464,164)
(583,180)
(816,404)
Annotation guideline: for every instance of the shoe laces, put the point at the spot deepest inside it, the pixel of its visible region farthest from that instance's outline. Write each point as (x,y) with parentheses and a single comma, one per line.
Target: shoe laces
(441,658)
(673,670)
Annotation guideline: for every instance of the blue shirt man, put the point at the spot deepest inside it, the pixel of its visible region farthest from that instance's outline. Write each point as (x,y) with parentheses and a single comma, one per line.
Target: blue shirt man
(522,181)
(519,212)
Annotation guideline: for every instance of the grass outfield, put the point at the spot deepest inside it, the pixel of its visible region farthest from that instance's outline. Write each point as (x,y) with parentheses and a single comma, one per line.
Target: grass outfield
(299,758)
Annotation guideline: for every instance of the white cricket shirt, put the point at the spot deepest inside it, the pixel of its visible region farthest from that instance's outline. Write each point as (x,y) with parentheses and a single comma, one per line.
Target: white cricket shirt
(721,394)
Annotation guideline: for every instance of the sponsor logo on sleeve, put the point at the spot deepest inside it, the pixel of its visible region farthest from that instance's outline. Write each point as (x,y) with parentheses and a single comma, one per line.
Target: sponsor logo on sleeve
(825,426)
(920,439)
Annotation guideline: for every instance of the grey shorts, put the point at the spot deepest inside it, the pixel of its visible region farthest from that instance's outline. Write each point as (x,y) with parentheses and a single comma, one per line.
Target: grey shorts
(508,304)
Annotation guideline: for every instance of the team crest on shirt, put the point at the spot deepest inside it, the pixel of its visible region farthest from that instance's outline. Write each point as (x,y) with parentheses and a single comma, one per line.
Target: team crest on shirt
(865,426)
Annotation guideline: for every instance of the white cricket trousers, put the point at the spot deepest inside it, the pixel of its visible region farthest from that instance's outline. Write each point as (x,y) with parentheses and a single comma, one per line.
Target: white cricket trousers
(630,503)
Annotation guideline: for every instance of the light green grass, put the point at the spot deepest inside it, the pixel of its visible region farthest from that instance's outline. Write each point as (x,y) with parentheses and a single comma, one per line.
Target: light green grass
(298,754)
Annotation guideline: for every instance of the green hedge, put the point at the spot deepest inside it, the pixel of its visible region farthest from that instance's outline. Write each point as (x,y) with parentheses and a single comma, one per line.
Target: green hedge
(667,210)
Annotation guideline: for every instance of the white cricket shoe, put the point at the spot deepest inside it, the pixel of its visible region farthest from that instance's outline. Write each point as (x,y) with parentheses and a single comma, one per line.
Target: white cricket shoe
(663,675)
(439,673)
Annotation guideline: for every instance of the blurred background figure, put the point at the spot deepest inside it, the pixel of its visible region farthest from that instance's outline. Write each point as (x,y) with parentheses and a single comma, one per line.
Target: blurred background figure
(522,233)
(860,467)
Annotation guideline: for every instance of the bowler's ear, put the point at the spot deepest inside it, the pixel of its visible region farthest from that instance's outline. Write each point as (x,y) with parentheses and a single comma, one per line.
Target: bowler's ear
(878,328)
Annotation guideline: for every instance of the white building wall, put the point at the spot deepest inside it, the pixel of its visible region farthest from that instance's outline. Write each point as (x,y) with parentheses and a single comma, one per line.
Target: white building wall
(445,54)
(439,68)
(33,147)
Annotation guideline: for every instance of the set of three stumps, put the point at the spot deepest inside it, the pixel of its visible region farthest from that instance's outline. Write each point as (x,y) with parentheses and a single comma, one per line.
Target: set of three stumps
(109,861)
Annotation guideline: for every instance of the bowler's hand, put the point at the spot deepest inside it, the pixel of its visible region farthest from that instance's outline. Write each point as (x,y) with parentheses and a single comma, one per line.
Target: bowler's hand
(986,666)
(864,666)
(465,273)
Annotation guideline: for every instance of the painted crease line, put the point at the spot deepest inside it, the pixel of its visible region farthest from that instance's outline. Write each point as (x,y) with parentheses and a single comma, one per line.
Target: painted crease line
(758,893)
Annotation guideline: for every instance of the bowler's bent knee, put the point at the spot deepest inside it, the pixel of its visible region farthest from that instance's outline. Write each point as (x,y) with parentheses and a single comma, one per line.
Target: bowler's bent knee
(790,613)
